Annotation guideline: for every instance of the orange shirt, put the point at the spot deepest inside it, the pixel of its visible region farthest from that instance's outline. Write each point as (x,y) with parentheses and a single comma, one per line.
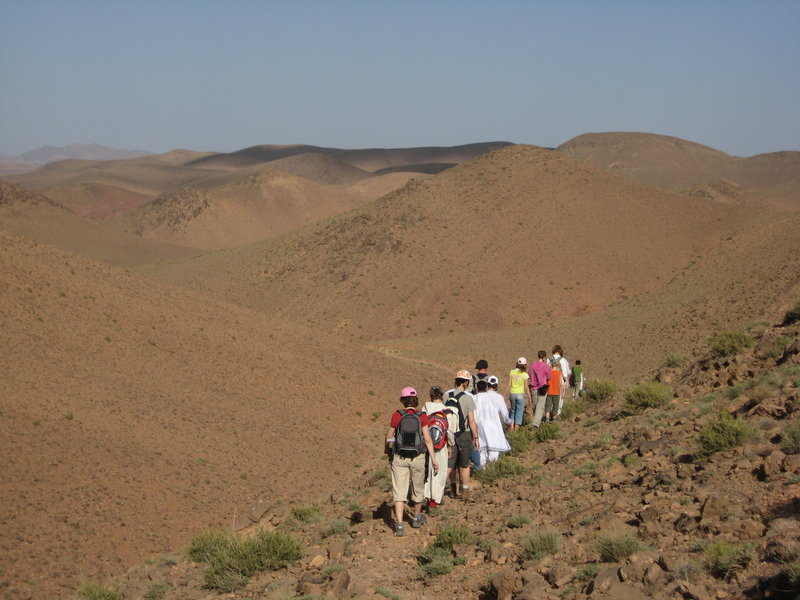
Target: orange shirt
(555,383)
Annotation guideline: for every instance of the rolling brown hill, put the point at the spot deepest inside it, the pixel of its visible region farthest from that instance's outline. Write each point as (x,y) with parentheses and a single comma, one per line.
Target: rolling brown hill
(39,218)
(674,164)
(368,159)
(260,205)
(96,201)
(135,415)
(505,240)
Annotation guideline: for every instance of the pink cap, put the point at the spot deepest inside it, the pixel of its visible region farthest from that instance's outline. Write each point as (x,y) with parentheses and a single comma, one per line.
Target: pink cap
(522,360)
(408,392)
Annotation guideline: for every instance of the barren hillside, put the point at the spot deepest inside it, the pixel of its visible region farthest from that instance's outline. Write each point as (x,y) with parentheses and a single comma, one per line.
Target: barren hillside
(675,164)
(254,207)
(506,240)
(134,415)
(39,218)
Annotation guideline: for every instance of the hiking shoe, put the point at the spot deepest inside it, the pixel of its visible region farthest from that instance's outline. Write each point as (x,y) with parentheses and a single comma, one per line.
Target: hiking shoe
(399,530)
(418,520)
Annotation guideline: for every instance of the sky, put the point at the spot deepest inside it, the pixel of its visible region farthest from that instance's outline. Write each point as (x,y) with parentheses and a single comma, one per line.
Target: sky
(214,76)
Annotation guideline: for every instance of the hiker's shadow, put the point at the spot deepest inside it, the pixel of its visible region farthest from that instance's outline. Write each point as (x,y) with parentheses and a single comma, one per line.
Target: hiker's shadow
(384,512)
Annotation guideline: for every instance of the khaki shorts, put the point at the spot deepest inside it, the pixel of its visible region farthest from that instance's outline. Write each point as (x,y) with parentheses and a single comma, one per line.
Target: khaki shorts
(405,472)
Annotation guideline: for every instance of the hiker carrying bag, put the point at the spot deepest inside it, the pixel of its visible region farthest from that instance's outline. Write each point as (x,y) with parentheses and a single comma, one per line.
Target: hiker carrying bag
(408,441)
(454,402)
(437,427)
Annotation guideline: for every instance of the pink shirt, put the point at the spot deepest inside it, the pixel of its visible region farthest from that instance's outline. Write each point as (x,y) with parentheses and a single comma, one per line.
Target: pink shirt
(540,374)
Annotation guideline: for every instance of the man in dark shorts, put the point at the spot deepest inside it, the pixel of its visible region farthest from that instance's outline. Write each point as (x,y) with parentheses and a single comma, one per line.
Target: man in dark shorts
(466,434)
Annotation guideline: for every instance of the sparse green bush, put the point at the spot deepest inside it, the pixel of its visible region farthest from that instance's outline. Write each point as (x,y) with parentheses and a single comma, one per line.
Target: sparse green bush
(790,576)
(734,391)
(547,431)
(518,521)
(572,408)
(792,315)
(519,440)
(673,361)
(722,433)
(790,440)
(437,558)
(590,467)
(505,466)
(616,547)
(453,535)
(95,591)
(729,343)
(336,527)
(600,390)
(307,514)
(331,570)
(539,545)
(386,593)
(231,560)
(587,572)
(775,347)
(759,393)
(649,394)
(723,559)
(157,591)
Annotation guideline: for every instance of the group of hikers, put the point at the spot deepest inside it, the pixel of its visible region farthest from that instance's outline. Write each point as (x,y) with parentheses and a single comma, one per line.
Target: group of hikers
(438,445)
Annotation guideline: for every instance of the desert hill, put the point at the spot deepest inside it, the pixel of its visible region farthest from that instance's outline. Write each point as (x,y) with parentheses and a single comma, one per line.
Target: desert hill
(674,164)
(39,218)
(506,240)
(257,206)
(370,159)
(320,168)
(10,164)
(749,279)
(135,414)
(96,201)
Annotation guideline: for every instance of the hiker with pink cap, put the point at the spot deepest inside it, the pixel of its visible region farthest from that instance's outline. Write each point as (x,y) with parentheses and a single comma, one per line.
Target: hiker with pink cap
(408,444)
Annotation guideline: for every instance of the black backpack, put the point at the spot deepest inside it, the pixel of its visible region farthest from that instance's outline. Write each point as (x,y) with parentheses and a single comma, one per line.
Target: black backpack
(454,401)
(408,441)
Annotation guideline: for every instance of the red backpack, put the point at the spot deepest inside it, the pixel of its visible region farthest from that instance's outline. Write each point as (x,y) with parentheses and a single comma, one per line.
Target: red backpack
(437,427)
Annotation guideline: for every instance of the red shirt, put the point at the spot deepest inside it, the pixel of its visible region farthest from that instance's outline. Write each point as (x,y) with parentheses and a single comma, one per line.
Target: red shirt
(398,414)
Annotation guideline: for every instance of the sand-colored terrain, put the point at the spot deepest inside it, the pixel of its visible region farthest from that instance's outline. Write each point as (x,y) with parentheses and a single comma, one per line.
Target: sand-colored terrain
(152,387)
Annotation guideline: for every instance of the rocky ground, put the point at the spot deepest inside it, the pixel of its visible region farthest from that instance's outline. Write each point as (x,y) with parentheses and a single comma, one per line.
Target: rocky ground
(621,506)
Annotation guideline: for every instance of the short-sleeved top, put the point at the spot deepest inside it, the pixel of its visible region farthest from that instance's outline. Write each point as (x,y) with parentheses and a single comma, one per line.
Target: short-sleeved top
(555,383)
(398,414)
(518,380)
(466,401)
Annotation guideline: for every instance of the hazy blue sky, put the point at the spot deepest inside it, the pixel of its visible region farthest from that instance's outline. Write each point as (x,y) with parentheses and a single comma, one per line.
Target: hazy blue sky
(158,75)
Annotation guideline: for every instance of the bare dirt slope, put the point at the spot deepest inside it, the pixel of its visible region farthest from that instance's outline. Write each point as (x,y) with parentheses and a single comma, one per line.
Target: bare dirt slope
(134,415)
(39,218)
(753,276)
(260,205)
(674,164)
(505,240)
(95,201)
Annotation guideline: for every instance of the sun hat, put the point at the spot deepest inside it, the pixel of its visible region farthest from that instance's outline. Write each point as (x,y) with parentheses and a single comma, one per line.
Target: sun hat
(493,380)
(463,374)
(408,392)
(522,360)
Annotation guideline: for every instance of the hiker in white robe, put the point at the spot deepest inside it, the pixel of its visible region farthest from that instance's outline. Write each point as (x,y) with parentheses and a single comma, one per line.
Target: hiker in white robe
(436,481)
(491,414)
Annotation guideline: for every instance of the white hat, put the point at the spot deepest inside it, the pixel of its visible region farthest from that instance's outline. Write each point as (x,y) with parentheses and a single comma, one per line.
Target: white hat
(522,360)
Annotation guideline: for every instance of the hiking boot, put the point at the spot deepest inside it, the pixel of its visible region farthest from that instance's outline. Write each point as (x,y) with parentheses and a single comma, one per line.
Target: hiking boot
(418,520)
(399,530)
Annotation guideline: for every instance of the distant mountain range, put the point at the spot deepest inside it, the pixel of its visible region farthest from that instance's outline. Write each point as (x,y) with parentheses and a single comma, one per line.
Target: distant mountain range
(48,154)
